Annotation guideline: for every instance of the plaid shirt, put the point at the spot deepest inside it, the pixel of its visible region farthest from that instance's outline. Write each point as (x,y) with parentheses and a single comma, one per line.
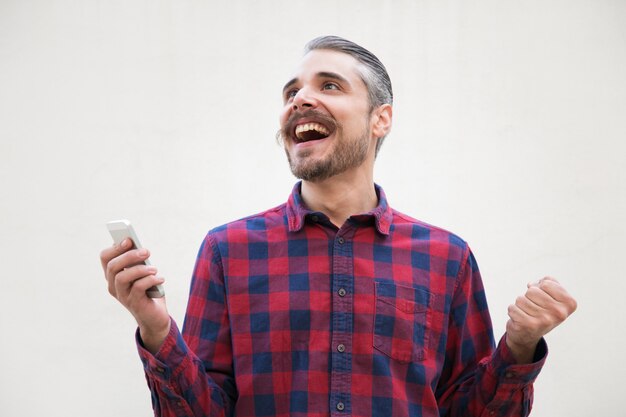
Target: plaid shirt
(290,316)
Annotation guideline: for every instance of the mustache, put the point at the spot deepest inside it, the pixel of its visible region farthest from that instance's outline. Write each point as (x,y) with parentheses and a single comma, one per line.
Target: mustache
(288,129)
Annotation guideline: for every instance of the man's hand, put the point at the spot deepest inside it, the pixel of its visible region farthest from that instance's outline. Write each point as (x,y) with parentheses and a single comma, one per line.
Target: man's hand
(128,279)
(545,305)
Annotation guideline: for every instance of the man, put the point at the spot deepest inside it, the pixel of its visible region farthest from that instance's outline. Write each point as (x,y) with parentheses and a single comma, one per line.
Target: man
(334,303)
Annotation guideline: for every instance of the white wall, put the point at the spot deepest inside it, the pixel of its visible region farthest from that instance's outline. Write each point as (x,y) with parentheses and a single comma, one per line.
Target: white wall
(509,130)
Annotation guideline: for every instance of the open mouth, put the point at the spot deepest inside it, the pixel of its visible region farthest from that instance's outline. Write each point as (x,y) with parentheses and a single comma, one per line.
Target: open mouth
(307,132)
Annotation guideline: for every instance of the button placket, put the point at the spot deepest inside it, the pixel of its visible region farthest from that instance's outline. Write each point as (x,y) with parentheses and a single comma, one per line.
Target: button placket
(342,288)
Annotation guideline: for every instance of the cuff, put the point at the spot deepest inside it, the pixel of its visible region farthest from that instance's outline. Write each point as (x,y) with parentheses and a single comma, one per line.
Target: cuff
(504,367)
(170,358)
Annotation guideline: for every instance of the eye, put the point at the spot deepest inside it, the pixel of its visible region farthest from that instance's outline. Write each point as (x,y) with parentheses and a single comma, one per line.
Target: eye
(289,94)
(330,86)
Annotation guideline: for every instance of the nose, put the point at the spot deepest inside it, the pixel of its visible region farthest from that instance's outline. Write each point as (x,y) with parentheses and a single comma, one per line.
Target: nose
(303,99)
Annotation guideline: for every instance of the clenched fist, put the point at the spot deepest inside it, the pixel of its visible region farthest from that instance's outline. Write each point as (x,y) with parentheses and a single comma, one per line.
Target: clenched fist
(545,305)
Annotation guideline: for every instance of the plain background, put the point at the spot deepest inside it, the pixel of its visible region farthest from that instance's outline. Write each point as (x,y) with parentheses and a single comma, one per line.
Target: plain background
(509,129)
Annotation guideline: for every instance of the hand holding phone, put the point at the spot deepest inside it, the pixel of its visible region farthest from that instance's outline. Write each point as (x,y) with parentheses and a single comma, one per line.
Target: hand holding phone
(122,229)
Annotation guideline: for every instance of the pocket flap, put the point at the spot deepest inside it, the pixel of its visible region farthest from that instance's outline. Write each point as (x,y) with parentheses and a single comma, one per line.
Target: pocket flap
(406,299)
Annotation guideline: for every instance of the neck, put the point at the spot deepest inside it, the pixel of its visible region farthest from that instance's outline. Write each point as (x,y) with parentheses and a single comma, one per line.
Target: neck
(341,196)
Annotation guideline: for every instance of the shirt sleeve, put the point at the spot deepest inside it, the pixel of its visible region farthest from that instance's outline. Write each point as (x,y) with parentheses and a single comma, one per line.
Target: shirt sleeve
(192,373)
(479,379)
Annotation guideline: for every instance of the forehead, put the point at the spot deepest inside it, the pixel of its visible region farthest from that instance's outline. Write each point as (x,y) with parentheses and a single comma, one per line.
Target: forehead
(319,61)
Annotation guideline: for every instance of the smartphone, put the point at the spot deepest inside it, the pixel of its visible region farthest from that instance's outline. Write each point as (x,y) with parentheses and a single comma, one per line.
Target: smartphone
(122,229)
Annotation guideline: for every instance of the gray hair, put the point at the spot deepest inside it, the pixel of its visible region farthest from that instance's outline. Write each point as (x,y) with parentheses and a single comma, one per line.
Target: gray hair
(374,73)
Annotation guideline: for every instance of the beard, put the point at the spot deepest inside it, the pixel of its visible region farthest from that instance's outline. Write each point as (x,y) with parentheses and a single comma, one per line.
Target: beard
(347,153)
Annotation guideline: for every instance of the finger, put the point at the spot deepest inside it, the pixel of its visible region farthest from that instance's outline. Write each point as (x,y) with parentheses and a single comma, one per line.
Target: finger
(552,311)
(126,260)
(120,264)
(113,252)
(542,280)
(532,307)
(517,315)
(539,297)
(564,304)
(549,278)
(555,290)
(140,286)
(125,279)
(558,306)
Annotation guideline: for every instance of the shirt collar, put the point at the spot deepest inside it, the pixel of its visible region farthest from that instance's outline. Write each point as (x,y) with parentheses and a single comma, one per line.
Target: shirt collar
(297,211)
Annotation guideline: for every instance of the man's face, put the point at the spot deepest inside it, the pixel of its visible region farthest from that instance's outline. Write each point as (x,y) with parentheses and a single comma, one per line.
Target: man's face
(325,121)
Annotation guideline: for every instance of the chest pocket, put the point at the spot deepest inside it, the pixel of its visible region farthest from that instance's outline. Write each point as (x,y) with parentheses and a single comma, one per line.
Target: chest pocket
(401,321)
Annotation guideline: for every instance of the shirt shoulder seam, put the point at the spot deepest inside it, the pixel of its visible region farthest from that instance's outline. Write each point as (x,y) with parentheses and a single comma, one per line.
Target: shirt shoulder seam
(264,213)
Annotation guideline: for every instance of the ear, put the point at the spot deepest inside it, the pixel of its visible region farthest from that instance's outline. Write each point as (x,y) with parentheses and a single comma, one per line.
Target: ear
(381,120)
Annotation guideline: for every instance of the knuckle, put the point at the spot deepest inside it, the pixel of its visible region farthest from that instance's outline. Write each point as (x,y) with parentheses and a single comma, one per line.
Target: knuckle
(543,322)
(109,253)
(110,270)
(561,314)
(111,288)
(570,303)
(532,322)
(104,260)
(511,308)
(534,291)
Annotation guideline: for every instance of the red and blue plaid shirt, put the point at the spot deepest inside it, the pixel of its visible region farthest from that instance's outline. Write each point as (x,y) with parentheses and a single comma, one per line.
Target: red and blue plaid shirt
(289,315)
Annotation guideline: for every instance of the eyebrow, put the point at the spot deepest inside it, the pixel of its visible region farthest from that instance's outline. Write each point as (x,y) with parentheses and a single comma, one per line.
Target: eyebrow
(289,84)
(321,74)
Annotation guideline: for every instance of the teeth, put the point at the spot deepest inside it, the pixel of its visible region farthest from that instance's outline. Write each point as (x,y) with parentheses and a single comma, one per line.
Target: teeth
(310,126)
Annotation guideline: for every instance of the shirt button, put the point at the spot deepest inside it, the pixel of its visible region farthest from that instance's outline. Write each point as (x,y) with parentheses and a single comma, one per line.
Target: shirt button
(340,406)
(341,241)
(509,374)
(341,292)
(341,348)
(315,218)
(160,370)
